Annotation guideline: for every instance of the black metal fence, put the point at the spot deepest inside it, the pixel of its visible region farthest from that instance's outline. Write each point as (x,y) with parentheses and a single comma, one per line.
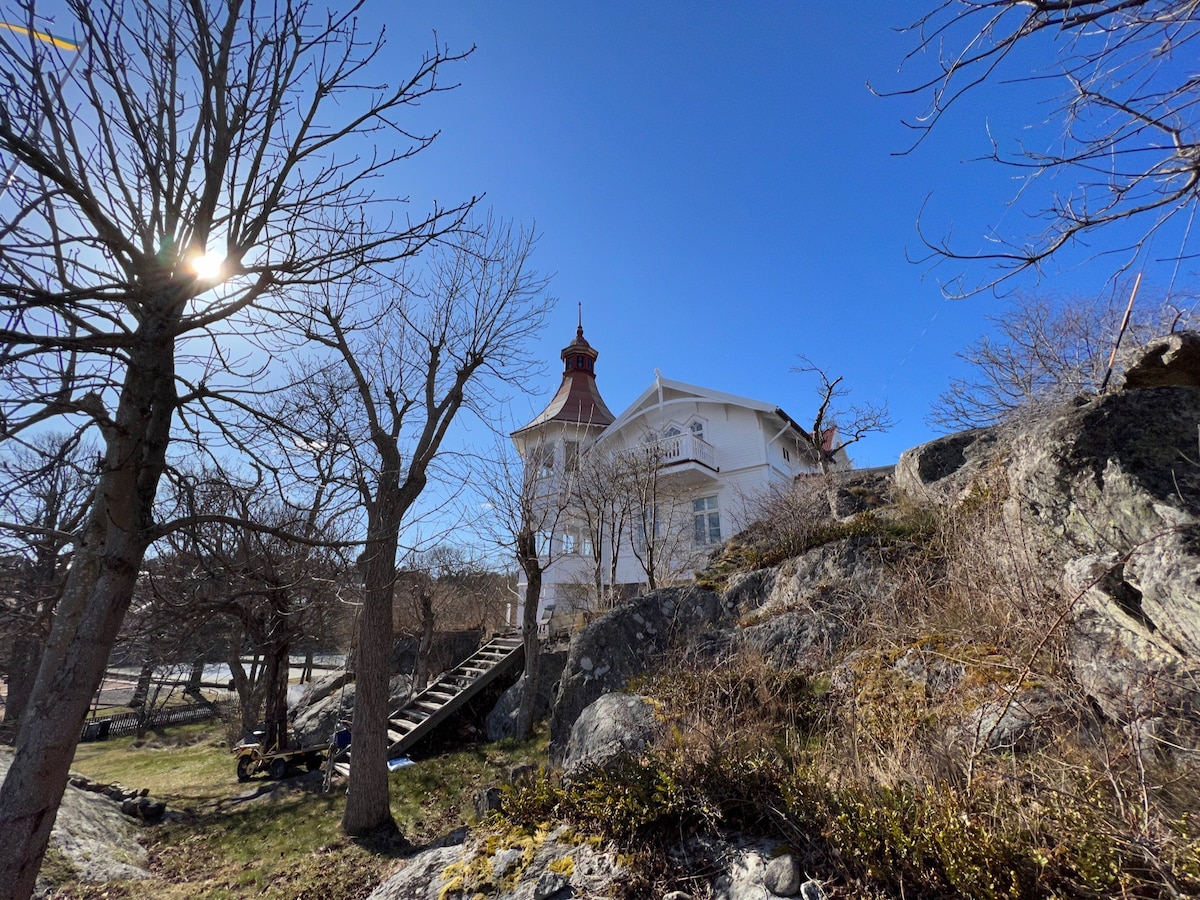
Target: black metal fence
(101,729)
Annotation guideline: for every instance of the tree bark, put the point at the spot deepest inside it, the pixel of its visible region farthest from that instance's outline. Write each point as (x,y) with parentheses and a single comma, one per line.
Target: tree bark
(23,666)
(527,550)
(275,679)
(195,677)
(425,644)
(248,691)
(141,690)
(97,593)
(367,806)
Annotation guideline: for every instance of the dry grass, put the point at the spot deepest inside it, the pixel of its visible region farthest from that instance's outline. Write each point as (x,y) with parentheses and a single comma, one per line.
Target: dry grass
(870,766)
(277,839)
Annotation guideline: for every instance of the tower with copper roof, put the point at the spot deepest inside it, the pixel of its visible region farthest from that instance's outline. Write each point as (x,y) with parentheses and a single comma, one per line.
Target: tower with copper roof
(551,445)
(577,412)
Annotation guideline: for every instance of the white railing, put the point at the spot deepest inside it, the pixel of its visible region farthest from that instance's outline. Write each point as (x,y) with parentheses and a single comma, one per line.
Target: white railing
(685,447)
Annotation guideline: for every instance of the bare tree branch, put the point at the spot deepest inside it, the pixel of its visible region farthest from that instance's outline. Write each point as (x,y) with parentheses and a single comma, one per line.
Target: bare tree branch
(176,128)
(1128,143)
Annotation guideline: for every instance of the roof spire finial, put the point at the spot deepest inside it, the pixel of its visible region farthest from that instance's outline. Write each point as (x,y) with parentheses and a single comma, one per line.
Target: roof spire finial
(579,330)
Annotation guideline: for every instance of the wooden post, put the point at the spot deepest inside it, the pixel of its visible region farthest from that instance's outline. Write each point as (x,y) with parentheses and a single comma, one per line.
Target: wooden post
(1120,334)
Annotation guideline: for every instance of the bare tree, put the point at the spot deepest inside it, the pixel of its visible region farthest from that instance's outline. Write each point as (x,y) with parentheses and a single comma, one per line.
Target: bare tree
(528,507)
(443,586)
(1126,126)
(603,507)
(239,568)
(415,352)
(158,132)
(1044,351)
(660,526)
(47,488)
(836,426)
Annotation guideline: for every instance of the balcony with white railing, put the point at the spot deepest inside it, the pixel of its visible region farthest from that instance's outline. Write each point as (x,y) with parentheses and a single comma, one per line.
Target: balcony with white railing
(686,447)
(684,456)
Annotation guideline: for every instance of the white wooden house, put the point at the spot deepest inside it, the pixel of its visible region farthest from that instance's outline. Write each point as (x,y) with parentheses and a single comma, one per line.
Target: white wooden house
(712,454)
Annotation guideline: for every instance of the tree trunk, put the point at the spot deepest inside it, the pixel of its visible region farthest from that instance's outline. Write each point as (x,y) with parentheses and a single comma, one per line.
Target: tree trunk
(194,679)
(425,643)
(23,666)
(71,669)
(98,591)
(141,690)
(367,807)
(275,679)
(249,695)
(527,548)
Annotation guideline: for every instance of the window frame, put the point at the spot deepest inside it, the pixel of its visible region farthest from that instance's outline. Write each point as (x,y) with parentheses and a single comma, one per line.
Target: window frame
(706,521)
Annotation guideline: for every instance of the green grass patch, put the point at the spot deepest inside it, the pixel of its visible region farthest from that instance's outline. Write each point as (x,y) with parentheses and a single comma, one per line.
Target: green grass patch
(186,766)
(286,842)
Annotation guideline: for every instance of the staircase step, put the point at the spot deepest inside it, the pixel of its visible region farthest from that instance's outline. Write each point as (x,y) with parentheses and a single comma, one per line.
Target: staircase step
(464,678)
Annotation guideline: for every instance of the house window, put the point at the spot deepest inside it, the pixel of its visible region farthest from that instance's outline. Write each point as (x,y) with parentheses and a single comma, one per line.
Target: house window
(697,429)
(707,521)
(543,460)
(571,456)
(573,543)
(787,456)
(648,517)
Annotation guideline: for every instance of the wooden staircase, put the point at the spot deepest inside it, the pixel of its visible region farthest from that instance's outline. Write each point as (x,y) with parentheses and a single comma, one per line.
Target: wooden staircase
(430,708)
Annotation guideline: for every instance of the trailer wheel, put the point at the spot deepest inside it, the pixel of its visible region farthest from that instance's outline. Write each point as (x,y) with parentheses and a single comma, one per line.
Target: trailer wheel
(278,769)
(243,768)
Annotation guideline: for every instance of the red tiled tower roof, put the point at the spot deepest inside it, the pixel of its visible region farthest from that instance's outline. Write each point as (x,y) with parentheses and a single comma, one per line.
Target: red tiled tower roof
(578,401)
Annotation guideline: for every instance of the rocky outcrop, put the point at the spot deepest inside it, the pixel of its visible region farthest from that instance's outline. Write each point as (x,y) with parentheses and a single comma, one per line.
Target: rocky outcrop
(1108,492)
(316,715)
(133,803)
(943,470)
(627,641)
(92,835)
(523,867)
(613,728)
(1105,493)
(1169,361)
(796,614)
(502,720)
(1020,722)
(860,490)
(1118,655)
(551,866)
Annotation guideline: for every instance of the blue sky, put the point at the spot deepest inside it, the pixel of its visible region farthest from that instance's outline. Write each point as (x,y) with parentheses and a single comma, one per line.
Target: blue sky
(719,189)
